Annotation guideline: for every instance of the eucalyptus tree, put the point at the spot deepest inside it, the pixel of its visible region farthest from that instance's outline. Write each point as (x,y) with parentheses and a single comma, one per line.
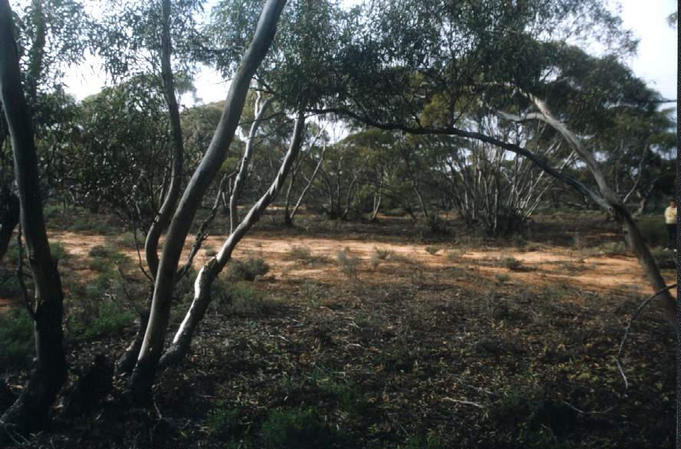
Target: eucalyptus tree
(51,36)
(158,41)
(311,161)
(411,57)
(116,161)
(162,40)
(150,352)
(30,411)
(287,73)
(491,190)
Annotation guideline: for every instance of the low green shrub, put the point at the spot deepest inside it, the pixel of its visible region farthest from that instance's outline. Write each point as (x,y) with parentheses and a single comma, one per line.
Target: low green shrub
(303,255)
(223,421)
(247,270)
(432,250)
(110,319)
(653,229)
(105,258)
(665,258)
(512,264)
(427,441)
(16,337)
(349,265)
(298,429)
(241,299)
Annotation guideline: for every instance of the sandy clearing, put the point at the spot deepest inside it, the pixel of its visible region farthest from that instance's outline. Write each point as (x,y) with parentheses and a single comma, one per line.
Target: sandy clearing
(539,267)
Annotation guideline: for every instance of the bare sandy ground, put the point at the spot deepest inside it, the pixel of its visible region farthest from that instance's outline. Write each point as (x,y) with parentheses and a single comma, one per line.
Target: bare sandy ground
(538,266)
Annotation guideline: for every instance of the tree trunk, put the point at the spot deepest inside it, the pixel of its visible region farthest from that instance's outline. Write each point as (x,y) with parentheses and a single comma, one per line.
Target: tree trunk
(163,217)
(245,160)
(126,362)
(30,411)
(210,271)
(145,370)
(288,221)
(308,185)
(615,205)
(9,217)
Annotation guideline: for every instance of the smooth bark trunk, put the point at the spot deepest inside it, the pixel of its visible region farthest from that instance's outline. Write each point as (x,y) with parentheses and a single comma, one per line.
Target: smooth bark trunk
(172,195)
(202,286)
(30,411)
(245,161)
(308,185)
(145,370)
(633,235)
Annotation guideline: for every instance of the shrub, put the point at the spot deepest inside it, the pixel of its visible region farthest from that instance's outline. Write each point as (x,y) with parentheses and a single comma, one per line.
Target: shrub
(9,285)
(298,429)
(432,250)
(512,264)
(428,441)
(348,264)
(503,278)
(110,319)
(665,259)
(16,337)
(247,270)
(223,422)
(302,254)
(57,251)
(653,230)
(103,258)
(242,300)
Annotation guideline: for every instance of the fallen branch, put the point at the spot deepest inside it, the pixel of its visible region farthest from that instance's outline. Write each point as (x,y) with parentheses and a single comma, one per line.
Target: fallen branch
(638,311)
(464,402)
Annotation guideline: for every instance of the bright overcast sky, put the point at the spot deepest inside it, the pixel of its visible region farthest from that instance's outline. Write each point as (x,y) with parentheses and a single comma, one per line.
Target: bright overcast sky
(655,60)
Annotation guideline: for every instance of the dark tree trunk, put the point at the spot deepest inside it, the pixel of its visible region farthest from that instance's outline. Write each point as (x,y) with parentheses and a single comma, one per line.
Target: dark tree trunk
(9,217)
(30,411)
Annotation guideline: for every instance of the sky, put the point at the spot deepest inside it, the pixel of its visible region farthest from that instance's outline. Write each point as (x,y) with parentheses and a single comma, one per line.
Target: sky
(655,61)
(656,58)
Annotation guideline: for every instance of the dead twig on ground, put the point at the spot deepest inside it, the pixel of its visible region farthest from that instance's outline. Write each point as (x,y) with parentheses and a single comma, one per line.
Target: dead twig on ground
(638,311)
